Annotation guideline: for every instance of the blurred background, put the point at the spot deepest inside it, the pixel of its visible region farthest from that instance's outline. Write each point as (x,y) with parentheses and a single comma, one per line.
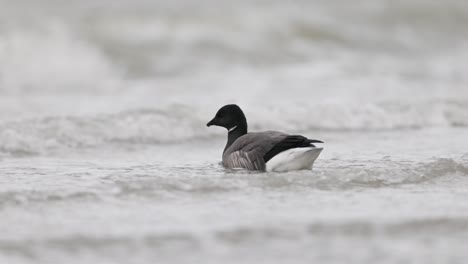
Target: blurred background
(299,65)
(104,152)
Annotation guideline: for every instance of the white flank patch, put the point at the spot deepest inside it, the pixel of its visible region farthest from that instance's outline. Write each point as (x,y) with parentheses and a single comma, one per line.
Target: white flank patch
(294,159)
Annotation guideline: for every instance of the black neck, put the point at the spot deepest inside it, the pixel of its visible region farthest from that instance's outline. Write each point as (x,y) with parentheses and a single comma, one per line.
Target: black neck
(236,133)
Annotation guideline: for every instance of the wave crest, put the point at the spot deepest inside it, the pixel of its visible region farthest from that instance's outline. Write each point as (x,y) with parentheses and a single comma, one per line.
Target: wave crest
(35,136)
(178,123)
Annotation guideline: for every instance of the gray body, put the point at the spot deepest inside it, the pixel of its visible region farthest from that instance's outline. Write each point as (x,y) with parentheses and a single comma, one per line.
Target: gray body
(248,150)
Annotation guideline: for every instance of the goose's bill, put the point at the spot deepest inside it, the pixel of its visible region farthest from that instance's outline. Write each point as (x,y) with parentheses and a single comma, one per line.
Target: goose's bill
(315,141)
(211,123)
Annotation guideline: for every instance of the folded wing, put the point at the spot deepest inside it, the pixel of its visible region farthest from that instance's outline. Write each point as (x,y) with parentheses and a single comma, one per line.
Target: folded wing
(249,150)
(252,151)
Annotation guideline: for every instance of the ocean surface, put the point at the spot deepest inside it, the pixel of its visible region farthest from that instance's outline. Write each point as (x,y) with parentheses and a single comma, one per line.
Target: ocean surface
(105,156)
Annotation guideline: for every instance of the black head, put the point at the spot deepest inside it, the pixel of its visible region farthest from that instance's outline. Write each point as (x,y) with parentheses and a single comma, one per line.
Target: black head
(229,116)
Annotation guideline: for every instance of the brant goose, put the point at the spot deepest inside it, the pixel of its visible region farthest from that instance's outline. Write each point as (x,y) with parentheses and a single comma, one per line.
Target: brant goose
(264,151)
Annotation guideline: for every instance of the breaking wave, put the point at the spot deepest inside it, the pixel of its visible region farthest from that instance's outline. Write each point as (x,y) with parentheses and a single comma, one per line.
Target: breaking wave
(182,123)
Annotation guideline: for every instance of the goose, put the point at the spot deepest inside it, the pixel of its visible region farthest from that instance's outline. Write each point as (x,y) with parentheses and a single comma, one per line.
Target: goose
(270,151)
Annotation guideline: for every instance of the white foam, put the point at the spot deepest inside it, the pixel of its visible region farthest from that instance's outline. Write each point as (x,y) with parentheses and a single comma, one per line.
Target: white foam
(178,123)
(52,58)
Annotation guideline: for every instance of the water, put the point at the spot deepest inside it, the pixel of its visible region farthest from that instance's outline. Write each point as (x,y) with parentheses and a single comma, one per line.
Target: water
(105,156)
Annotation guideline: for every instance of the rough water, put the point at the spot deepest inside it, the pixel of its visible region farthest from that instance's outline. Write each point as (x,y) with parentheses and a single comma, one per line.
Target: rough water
(105,156)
